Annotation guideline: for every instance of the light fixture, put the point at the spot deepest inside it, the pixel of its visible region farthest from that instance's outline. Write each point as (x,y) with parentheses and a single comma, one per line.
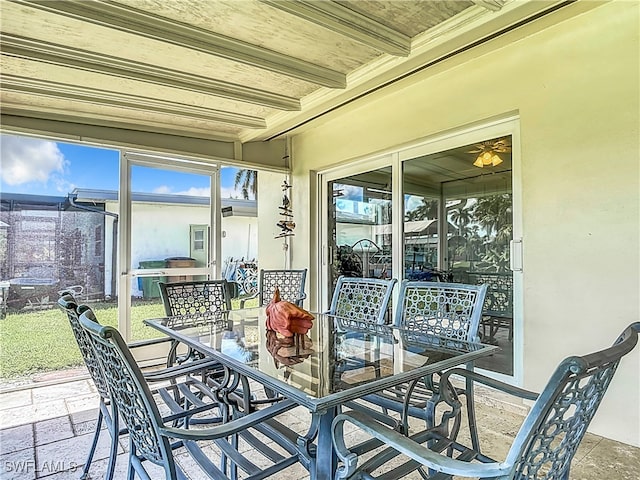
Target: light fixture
(488,152)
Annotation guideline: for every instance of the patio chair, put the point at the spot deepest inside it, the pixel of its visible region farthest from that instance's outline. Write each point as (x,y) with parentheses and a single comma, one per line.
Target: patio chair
(289,282)
(450,310)
(153,440)
(498,307)
(173,394)
(543,448)
(199,296)
(362,299)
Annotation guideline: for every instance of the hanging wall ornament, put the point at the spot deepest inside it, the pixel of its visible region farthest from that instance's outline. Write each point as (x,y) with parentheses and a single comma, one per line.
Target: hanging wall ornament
(286,224)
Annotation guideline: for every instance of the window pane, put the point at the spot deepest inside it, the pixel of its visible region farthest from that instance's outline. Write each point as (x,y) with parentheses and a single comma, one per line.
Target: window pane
(56,233)
(472,246)
(361,229)
(165,206)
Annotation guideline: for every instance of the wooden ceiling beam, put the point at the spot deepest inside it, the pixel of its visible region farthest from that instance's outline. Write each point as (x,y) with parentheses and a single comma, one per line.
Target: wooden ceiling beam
(491,5)
(105,98)
(349,23)
(137,22)
(65,56)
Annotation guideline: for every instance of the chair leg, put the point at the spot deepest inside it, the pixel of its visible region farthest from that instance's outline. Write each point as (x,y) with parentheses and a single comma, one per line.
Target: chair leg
(94,443)
(471,415)
(131,470)
(115,435)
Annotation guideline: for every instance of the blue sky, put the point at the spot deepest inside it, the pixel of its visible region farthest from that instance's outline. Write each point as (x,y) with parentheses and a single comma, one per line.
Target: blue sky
(44,167)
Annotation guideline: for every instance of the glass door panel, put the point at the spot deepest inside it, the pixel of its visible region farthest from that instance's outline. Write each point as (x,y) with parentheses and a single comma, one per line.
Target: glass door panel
(169,236)
(360,233)
(421,239)
(458,227)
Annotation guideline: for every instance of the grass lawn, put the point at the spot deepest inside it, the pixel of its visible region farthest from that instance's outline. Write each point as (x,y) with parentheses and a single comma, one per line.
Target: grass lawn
(41,340)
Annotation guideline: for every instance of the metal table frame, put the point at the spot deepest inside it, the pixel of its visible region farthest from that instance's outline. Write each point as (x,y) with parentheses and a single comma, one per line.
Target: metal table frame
(317,442)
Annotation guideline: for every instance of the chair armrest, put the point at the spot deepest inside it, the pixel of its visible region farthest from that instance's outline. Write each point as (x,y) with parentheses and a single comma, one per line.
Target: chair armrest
(151,341)
(242,300)
(405,445)
(490,382)
(169,373)
(231,427)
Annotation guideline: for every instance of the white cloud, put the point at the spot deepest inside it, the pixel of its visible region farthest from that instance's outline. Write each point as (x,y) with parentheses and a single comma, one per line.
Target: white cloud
(229,192)
(197,192)
(194,191)
(27,160)
(233,192)
(162,189)
(349,192)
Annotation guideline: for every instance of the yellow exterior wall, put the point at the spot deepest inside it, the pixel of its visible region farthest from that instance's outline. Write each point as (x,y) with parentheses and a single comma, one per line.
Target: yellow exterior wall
(573,79)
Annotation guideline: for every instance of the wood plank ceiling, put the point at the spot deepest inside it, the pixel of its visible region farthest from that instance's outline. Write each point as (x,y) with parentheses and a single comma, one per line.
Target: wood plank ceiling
(231,70)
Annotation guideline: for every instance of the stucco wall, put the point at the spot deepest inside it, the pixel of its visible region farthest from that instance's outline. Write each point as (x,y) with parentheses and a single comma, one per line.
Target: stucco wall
(240,238)
(168,227)
(573,79)
(271,253)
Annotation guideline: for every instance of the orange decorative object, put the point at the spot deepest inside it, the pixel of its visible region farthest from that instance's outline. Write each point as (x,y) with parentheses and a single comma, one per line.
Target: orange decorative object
(286,318)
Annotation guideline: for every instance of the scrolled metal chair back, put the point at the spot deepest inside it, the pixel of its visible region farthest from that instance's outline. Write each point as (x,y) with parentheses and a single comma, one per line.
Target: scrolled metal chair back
(184,298)
(129,391)
(290,283)
(499,301)
(451,310)
(73,311)
(362,298)
(556,424)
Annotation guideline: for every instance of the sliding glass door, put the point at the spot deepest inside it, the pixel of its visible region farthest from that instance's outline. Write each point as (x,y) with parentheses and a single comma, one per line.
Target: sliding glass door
(458,228)
(359,235)
(455,223)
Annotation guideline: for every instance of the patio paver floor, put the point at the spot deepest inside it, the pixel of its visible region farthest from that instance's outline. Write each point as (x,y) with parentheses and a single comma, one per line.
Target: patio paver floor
(45,432)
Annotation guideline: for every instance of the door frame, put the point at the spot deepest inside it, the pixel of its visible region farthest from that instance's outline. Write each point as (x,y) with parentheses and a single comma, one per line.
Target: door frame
(126,274)
(509,125)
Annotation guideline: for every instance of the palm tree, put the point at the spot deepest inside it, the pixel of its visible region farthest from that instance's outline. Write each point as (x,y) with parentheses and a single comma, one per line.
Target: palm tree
(494,213)
(248,181)
(461,216)
(426,210)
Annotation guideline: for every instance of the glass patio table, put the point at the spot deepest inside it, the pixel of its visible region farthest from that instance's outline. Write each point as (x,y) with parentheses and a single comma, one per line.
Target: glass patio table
(337,361)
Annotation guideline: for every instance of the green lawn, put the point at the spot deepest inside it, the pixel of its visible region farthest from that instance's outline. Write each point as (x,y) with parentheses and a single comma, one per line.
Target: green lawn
(42,340)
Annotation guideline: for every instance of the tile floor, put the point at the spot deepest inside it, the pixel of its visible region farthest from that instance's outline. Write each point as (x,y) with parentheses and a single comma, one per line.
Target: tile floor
(45,432)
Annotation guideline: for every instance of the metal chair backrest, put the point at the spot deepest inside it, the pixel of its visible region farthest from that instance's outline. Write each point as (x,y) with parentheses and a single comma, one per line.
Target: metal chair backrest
(69,305)
(290,283)
(362,298)
(130,392)
(499,301)
(200,296)
(451,310)
(555,425)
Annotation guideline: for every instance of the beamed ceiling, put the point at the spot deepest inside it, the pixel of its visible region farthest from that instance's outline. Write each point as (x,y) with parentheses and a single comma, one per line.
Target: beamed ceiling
(230,70)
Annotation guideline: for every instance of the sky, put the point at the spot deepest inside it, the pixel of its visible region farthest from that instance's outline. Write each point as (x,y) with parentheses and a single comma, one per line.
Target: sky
(45,167)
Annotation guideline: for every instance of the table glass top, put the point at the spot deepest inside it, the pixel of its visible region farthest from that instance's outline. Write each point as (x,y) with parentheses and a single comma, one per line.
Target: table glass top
(335,356)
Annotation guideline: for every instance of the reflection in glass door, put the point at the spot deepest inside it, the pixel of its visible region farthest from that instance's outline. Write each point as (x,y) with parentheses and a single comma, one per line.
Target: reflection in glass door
(458,227)
(360,234)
